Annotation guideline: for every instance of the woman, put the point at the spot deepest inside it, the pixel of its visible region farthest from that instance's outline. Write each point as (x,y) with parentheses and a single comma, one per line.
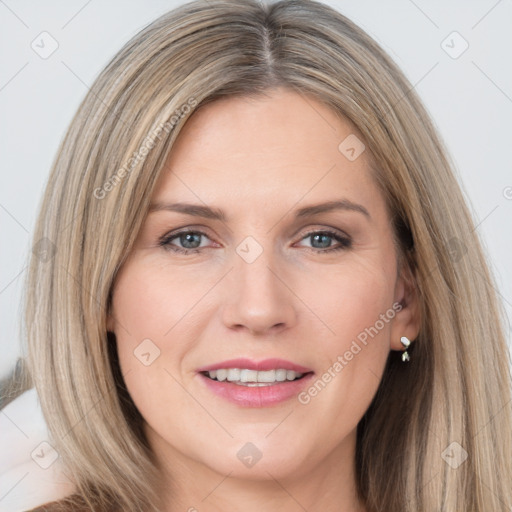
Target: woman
(260,285)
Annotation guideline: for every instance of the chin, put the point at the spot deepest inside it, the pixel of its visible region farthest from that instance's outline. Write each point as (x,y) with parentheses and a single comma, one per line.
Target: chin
(261,459)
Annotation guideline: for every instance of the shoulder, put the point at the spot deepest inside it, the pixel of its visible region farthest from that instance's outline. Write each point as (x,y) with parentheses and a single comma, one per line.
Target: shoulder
(76,503)
(69,504)
(54,506)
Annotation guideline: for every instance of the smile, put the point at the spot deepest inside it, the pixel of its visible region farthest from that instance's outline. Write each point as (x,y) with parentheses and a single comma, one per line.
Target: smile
(248,383)
(246,377)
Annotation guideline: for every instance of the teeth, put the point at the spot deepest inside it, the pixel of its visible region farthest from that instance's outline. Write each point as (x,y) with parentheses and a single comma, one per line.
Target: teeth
(268,376)
(290,375)
(248,376)
(280,375)
(222,375)
(253,377)
(233,374)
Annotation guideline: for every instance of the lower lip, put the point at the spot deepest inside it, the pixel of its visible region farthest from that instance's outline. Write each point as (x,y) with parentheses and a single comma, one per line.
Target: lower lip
(257,396)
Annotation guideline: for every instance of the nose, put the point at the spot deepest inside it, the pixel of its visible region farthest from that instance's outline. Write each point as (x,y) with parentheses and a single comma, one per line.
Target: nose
(259,299)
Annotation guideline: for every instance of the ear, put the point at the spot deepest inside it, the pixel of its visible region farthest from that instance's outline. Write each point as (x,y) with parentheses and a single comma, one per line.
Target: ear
(408,319)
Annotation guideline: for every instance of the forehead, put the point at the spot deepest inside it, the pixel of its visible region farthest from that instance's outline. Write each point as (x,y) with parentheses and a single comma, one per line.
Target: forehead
(266,152)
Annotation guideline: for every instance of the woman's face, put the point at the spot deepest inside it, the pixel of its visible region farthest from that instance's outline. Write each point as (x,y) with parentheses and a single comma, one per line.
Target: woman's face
(258,280)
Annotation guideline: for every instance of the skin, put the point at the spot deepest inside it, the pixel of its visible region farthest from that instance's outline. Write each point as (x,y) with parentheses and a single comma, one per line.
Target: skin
(259,160)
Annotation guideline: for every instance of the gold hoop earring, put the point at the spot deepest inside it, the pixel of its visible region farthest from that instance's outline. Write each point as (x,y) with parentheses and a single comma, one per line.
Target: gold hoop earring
(406,342)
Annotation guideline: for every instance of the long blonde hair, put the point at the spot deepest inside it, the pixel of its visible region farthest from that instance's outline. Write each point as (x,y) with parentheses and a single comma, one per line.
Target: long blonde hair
(456,388)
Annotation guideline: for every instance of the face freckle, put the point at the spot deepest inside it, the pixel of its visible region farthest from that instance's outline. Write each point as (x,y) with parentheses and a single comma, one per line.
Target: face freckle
(259,283)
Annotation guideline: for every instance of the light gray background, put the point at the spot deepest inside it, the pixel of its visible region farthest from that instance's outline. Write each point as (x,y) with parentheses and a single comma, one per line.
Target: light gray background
(469,98)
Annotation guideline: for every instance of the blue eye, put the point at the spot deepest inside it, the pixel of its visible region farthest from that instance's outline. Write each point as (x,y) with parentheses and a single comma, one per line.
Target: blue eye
(322,238)
(191,241)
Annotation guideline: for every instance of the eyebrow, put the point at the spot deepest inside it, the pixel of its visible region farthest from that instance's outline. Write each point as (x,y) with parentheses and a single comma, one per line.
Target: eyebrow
(217,214)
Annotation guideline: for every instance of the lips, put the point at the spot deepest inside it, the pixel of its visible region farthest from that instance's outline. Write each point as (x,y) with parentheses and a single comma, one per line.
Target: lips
(260,366)
(249,383)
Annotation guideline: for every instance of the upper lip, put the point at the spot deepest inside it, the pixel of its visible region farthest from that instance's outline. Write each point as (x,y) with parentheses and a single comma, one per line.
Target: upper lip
(249,364)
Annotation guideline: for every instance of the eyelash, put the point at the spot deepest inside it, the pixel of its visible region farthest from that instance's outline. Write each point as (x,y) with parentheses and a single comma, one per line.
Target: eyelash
(345,242)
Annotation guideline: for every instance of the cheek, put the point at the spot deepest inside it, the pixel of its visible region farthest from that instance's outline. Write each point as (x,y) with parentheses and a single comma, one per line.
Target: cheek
(350,300)
(138,310)
(156,311)
(357,306)
(149,302)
